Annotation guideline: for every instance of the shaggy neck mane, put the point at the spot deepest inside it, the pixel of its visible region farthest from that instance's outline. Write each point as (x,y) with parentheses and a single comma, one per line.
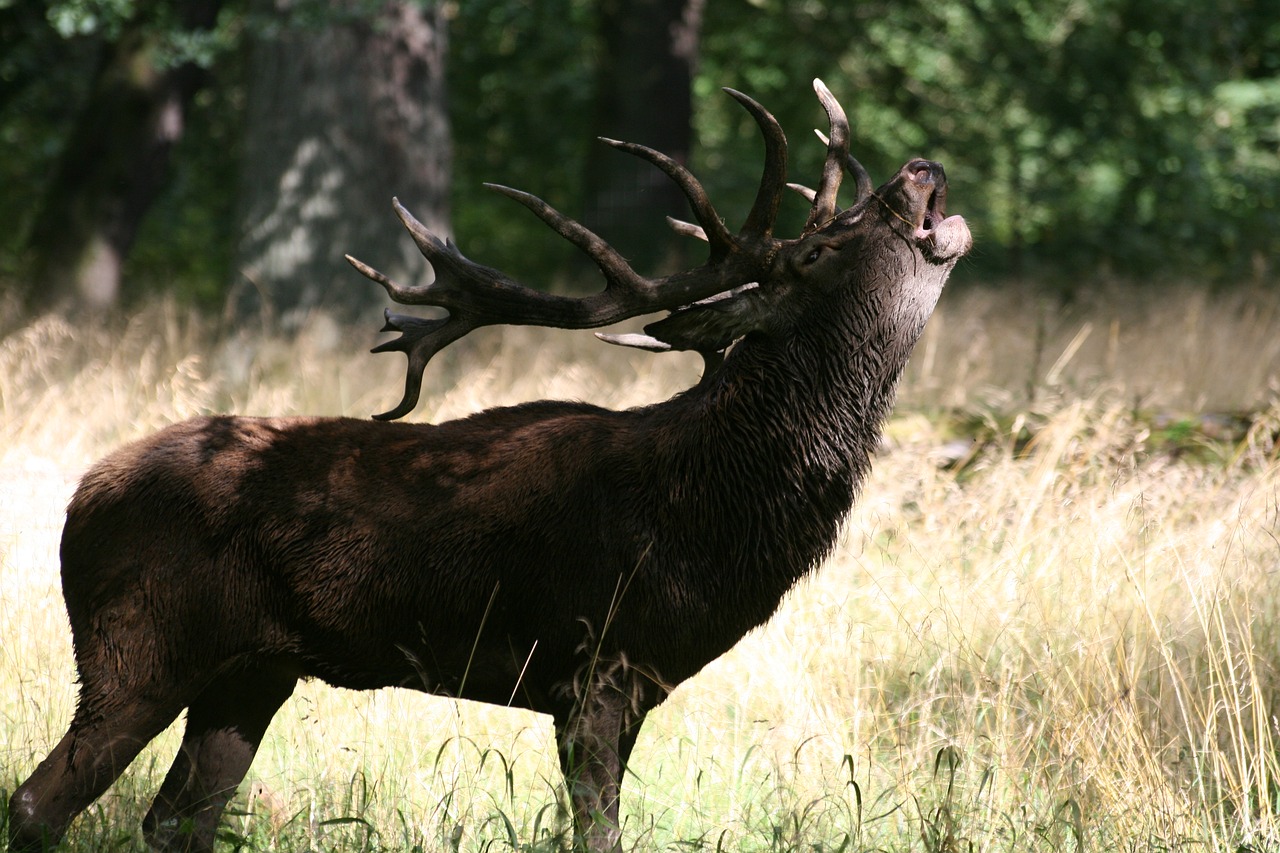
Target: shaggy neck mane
(763,466)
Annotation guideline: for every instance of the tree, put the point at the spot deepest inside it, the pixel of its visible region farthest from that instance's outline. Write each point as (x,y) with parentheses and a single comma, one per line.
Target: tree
(521,86)
(644,79)
(1080,136)
(116,156)
(346,109)
(1106,135)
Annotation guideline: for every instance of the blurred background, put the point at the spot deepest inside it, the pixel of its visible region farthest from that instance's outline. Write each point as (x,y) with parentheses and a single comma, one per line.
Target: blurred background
(227,153)
(1052,621)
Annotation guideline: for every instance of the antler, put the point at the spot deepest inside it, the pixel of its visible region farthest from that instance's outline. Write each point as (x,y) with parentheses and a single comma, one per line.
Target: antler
(838,160)
(475,295)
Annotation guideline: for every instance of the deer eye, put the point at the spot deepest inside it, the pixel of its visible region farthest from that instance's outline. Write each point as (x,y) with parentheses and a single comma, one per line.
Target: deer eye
(814,255)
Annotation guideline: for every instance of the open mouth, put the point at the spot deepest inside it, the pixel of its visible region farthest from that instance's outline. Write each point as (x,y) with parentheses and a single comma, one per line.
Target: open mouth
(930,178)
(941,237)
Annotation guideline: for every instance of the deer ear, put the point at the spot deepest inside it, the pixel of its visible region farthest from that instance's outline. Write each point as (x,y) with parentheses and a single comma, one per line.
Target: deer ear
(710,325)
(713,324)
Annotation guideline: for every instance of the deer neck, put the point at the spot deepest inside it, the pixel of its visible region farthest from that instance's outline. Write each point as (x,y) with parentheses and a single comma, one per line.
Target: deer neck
(770,454)
(813,401)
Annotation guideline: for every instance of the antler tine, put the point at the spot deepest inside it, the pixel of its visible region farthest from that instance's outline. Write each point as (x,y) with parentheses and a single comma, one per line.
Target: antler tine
(861,177)
(687,229)
(617,272)
(420,339)
(824,206)
(722,242)
(764,211)
(434,249)
(486,296)
(474,296)
(808,193)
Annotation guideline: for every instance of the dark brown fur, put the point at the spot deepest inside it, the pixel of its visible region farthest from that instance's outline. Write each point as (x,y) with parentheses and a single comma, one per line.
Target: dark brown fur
(561,557)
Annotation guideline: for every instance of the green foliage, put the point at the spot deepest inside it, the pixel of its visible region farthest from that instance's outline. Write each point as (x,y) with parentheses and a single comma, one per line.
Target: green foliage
(108,20)
(47,66)
(1103,135)
(43,79)
(520,90)
(1080,137)
(71,18)
(187,242)
(1109,134)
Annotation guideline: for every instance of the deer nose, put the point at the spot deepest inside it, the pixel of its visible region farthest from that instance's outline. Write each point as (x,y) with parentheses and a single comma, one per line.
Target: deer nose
(925,173)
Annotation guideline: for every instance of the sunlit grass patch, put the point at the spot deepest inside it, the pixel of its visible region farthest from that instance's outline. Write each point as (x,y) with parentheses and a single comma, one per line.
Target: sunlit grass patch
(1063,638)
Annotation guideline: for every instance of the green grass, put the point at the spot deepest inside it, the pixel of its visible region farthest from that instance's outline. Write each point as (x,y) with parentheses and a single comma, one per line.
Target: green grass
(1063,639)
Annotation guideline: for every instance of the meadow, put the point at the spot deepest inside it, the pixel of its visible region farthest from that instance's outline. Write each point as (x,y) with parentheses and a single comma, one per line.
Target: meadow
(1052,622)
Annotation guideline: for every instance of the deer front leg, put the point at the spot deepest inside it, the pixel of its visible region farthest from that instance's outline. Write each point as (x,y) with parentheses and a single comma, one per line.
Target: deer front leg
(594,747)
(595,733)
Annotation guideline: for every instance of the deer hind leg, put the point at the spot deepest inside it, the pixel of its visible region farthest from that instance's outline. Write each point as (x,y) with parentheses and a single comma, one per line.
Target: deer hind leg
(225,725)
(96,749)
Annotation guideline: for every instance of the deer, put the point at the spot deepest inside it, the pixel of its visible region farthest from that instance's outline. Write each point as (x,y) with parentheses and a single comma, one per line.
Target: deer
(560,557)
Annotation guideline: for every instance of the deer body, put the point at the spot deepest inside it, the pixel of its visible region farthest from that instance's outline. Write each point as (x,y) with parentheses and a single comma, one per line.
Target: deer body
(397,554)
(569,559)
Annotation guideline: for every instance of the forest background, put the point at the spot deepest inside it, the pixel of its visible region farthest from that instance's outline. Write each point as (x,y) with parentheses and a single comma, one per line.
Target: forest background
(1051,622)
(230,151)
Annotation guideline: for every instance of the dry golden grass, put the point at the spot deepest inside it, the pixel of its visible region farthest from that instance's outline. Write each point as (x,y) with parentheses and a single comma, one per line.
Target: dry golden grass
(1068,641)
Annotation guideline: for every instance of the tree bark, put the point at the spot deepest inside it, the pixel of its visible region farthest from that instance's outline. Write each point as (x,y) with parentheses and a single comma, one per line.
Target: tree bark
(341,119)
(113,166)
(649,52)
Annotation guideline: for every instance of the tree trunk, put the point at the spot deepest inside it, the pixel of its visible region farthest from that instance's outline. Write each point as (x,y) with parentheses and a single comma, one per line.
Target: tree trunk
(342,118)
(649,51)
(113,166)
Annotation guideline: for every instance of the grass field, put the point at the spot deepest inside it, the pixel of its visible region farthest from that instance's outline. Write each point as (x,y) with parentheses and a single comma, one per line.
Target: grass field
(1052,622)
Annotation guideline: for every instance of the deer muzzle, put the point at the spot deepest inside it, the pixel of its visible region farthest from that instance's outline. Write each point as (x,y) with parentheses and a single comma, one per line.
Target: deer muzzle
(942,237)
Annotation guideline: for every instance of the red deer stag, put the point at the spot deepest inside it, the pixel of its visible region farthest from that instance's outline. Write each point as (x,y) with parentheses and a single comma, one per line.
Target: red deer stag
(555,556)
